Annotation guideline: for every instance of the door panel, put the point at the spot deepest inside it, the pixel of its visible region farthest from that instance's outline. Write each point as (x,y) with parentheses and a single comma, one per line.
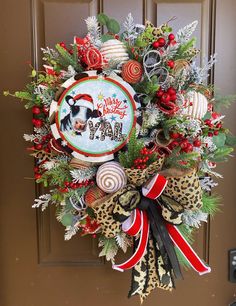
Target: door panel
(37,266)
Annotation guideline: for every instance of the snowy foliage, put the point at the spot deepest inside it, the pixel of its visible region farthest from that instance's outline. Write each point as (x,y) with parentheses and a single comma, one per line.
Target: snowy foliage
(185,33)
(207,183)
(81,175)
(123,241)
(45,95)
(43,201)
(200,74)
(70,231)
(109,248)
(194,218)
(94,30)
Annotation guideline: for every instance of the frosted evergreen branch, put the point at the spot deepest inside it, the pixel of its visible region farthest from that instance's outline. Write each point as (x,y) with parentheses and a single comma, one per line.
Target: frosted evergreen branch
(43,201)
(94,30)
(185,33)
(207,183)
(70,231)
(194,218)
(123,241)
(129,26)
(81,175)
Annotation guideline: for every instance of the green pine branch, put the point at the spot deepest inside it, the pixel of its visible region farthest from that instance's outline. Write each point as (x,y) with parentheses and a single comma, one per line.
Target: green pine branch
(210,203)
(134,146)
(68,59)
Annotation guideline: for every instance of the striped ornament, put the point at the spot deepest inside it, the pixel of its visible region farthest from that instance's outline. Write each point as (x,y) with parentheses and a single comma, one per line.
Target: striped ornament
(132,72)
(196,105)
(114,51)
(93,194)
(111,177)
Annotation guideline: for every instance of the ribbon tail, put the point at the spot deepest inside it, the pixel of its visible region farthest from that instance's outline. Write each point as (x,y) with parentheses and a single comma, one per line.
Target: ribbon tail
(140,251)
(158,226)
(196,263)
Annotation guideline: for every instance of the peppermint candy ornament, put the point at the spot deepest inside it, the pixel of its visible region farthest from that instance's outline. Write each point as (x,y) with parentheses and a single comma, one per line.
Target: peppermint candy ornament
(132,72)
(111,177)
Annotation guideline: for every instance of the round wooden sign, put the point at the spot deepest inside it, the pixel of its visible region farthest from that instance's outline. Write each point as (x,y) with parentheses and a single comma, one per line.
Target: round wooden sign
(94,116)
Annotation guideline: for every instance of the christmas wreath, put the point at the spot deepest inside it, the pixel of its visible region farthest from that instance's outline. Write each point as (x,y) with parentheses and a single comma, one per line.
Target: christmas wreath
(126,136)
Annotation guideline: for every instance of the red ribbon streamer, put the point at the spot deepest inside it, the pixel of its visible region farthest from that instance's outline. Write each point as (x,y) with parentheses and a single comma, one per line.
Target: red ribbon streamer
(196,263)
(134,229)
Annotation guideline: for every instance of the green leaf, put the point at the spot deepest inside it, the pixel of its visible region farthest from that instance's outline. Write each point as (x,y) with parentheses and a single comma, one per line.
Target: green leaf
(33,73)
(219,140)
(113,26)
(230,140)
(207,116)
(106,37)
(102,18)
(67,219)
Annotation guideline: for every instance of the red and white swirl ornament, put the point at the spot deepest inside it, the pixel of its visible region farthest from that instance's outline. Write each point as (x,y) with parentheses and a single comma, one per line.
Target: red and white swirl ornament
(132,72)
(111,177)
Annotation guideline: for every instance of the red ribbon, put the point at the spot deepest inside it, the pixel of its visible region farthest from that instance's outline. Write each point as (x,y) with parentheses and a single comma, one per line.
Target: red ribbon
(138,222)
(196,263)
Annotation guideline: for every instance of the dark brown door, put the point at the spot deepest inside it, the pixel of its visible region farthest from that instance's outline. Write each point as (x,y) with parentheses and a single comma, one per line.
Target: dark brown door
(36,266)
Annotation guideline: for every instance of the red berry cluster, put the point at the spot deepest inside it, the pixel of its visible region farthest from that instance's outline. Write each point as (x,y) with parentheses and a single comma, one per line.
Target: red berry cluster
(39,115)
(161,41)
(63,45)
(72,185)
(180,141)
(167,96)
(212,129)
(141,162)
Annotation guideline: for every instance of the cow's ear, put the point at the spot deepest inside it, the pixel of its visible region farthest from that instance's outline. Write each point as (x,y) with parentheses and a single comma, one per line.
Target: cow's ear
(69,100)
(95,113)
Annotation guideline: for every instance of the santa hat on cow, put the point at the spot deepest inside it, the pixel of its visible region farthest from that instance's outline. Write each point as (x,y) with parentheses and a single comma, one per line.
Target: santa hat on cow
(84,100)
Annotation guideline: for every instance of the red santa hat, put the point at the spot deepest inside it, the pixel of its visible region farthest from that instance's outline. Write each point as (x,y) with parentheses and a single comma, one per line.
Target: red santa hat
(84,100)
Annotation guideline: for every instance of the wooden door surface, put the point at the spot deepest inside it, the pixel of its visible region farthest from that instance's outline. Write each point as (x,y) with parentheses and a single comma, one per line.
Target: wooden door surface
(37,267)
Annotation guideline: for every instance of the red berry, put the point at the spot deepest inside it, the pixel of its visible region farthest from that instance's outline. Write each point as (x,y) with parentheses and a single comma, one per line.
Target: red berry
(36,110)
(171,64)
(165,98)
(171,91)
(219,125)
(216,133)
(184,144)
(173,97)
(207,122)
(215,115)
(174,135)
(37,176)
(171,36)
(210,134)
(36,169)
(197,143)
(38,146)
(161,41)
(189,148)
(37,123)
(160,93)
(173,144)
(156,44)
(45,110)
